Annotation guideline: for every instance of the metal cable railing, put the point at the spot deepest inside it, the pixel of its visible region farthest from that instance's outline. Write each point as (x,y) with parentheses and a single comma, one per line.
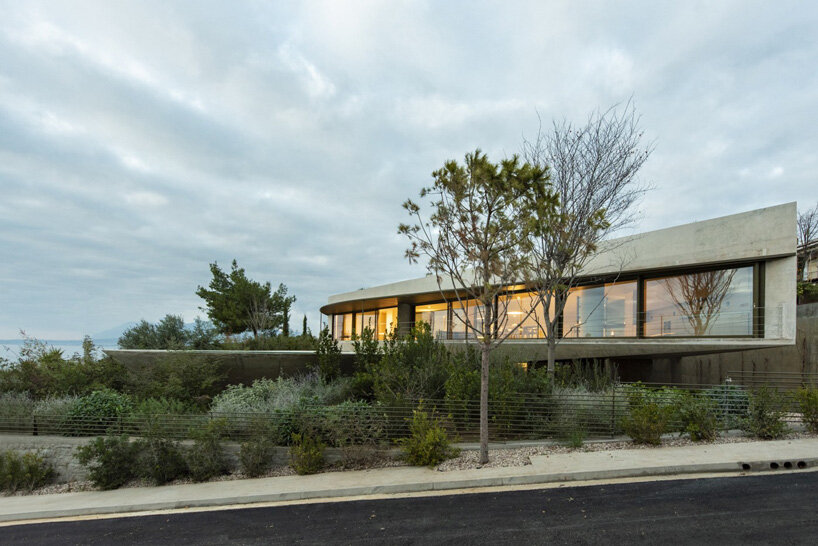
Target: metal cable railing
(517,416)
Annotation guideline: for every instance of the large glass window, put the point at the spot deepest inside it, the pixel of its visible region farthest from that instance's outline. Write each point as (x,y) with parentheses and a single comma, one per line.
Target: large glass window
(436,316)
(601,311)
(387,322)
(368,319)
(710,303)
(342,326)
(517,307)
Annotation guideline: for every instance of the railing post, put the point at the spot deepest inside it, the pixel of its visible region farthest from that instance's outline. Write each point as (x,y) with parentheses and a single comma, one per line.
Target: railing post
(613,411)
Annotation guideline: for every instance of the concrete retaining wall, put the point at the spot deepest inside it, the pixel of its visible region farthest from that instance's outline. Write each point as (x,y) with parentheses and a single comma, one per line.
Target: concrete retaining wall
(59,451)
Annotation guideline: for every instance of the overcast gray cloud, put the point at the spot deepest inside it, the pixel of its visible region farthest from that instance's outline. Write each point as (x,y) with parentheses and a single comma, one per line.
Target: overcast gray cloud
(140,141)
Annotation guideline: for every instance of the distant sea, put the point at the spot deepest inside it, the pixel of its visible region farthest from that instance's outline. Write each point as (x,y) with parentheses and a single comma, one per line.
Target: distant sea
(10,348)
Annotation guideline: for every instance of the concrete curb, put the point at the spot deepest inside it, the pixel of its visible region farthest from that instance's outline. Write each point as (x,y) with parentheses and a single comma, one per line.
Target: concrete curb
(96,507)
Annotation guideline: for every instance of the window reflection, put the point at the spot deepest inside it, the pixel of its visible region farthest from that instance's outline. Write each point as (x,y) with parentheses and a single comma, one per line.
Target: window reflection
(436,316)
(601,311)
(700,304)
(517,308)
(387,322)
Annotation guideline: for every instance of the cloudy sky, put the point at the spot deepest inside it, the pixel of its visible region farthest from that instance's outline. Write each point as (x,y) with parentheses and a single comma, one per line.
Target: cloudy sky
(140,141)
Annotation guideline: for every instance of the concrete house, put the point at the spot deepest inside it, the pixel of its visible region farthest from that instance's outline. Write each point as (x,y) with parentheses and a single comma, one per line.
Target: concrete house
(719,285)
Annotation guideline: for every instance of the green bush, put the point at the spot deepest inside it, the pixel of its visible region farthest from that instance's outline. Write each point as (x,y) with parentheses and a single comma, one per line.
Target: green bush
(698,418)
(165,417)
(808,402)
(569,408)
(327,356)
(111,460)
(160,460)
(15,411)
(97,413)
(49,413)
(180,376)
(256,454)
(593,375)
(646,422)
(306,454)
(412,367)
(428,443)
(206,458)
(27,471)
(283,394)
(731,404)
(765,415)
(41,370)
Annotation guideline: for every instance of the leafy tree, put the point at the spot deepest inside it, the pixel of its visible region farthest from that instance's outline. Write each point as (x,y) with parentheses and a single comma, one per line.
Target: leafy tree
(237,304)
(168,333)
(593,171)
(476,244)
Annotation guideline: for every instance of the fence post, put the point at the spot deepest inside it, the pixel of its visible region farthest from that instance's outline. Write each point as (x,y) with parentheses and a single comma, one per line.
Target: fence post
(613,411)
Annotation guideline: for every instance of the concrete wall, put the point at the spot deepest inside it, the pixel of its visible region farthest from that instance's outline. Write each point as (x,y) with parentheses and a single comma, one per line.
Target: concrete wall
(800,358)
(59,451)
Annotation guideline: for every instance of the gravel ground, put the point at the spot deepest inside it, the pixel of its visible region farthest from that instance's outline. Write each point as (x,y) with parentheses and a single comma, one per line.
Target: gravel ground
(468,459)
(520,456)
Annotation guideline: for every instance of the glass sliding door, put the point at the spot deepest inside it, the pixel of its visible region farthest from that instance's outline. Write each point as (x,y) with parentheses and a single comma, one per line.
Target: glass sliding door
(607,310)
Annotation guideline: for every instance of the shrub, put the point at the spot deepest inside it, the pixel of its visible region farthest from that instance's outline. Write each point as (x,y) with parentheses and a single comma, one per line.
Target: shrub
(593,412)
(27,471)
(357,428)
(49,413)
(15,411)
(189,378)
(165,417)
(41,370)
(282,394)
(593,375)
(412,367)
(428,443)
(698,418)
(731,404)
(646,422)
(765,415)
(206,458)
(160,460)
(256,454)
(306,454)
(111,460)
(96,413)
(327,356)
(808,402)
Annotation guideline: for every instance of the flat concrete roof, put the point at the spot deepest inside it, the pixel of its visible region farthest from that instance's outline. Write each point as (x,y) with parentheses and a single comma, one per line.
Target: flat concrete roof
(766,234)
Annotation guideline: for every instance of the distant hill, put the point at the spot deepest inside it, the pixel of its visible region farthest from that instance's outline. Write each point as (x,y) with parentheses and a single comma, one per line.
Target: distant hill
(115,332)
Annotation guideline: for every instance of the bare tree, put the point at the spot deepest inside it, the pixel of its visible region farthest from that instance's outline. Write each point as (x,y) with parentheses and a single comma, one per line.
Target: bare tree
(807,232)
(260,315)
(593,170)
(476,243)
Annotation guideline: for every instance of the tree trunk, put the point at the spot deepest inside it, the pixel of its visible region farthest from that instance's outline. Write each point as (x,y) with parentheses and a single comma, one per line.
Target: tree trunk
(484,403)
(552,354)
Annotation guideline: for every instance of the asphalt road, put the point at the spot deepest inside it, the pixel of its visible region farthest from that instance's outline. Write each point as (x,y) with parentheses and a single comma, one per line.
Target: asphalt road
(771,509)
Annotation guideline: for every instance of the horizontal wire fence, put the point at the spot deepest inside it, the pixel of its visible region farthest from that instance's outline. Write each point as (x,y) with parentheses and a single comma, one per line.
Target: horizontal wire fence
(557,415)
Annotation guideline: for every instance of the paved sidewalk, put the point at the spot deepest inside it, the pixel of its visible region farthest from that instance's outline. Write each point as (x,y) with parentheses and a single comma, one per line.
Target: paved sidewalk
(562,467)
